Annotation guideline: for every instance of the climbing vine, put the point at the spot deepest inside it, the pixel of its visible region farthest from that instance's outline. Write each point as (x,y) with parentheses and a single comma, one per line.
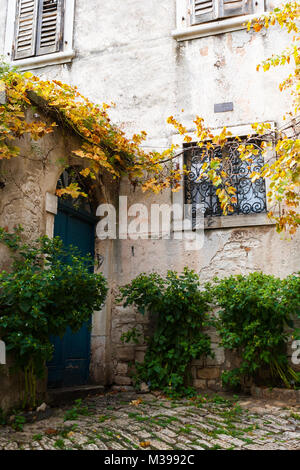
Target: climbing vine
(283,172)
(103,145)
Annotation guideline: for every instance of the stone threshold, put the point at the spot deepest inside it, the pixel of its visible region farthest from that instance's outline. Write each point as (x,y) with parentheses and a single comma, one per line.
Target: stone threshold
(61,396)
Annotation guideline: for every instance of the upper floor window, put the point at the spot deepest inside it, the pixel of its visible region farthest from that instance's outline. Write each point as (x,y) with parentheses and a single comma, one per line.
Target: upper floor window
(209,10)
(251,196)
(200,18)
(38,28)
(39,32)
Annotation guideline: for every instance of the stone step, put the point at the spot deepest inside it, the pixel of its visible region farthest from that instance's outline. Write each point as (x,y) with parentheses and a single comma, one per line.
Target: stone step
(61,396)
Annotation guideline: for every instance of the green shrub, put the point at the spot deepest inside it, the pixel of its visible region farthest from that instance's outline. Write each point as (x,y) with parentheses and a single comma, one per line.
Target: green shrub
(48,288)
(180,311)
(255,311)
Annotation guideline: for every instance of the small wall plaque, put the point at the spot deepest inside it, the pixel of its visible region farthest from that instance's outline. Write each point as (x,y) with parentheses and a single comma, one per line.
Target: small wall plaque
(223,107)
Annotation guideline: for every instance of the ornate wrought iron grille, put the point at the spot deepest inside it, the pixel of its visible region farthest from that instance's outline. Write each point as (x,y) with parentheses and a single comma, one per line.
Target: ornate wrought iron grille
(251,197)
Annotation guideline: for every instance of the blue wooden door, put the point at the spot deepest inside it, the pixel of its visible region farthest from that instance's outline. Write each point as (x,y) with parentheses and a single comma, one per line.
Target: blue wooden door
(70,363)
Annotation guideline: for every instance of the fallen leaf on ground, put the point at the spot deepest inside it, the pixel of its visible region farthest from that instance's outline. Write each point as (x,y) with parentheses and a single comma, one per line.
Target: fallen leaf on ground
(145,444)
(50,432)
(136,402)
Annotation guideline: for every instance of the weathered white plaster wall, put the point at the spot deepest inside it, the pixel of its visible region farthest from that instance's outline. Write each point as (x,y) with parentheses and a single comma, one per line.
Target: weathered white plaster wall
(125,53)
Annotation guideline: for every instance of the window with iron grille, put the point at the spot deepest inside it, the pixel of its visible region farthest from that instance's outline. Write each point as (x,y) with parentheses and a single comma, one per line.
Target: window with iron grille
(38,28)
(209,10)
(201,193)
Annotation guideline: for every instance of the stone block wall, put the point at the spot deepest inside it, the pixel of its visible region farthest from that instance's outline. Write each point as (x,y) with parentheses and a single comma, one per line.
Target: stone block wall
(205,373)
(125,355)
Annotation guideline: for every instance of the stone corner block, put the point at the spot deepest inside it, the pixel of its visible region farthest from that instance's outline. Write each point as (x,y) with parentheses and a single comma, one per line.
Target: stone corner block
(209,373)
(120,380)
(51,203)
(125,353)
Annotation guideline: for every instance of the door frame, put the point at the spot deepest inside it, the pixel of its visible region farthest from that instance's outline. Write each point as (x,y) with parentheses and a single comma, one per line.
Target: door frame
(69,211)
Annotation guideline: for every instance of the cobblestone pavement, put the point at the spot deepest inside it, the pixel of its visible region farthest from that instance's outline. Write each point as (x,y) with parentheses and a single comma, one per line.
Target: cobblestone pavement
(122,421)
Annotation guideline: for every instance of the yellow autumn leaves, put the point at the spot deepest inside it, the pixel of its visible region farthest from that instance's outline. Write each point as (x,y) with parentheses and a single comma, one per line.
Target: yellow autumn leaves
(105,146)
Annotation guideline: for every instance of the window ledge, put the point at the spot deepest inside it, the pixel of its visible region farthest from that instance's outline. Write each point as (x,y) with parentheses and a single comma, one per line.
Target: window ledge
(212,28)
(237,221)
(43,61)
(232,221)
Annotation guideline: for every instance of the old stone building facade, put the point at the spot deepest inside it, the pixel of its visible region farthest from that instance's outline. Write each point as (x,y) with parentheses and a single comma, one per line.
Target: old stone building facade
(153,59)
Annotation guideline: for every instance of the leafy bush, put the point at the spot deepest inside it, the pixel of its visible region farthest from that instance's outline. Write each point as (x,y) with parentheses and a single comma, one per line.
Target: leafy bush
(255,313)
(179,309)
(48,288)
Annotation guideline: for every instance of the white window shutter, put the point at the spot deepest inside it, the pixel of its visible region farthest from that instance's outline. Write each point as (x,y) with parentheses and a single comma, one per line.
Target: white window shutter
(49,28)
(235,8)
(204,10)
(25,31)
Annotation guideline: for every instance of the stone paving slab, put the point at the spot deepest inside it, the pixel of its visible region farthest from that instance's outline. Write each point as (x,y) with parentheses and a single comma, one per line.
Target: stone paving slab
(127,421)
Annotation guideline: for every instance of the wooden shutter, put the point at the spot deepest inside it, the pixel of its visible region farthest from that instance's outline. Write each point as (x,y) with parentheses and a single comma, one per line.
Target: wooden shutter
(235,8)
(49,29)
(204,10)
(25,31)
